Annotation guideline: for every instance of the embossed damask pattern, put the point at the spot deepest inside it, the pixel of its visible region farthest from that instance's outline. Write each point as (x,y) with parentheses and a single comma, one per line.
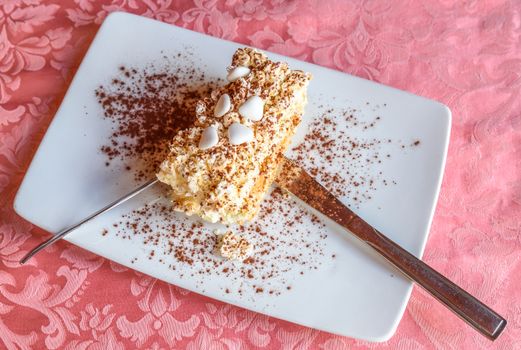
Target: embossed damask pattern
(466,54)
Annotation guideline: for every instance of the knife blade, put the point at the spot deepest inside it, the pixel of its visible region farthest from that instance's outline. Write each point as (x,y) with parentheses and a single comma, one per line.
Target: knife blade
(297,181)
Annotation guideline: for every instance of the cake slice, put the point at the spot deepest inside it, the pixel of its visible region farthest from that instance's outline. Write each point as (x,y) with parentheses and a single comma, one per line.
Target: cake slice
(221,168)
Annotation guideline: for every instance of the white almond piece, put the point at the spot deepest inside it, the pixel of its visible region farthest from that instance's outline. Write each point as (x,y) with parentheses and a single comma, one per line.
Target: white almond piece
(252,108)
(239,134)
(237,72)
(223,106)
(209,137)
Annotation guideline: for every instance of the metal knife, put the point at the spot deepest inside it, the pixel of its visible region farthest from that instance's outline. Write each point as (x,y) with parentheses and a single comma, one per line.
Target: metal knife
(297,181)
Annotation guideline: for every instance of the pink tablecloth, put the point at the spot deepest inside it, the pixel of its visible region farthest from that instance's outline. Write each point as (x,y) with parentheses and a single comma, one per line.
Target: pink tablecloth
(466,54)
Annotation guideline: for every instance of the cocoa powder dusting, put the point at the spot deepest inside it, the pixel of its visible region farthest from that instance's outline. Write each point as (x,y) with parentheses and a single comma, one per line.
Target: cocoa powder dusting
(344,163)
(148,106)
(191,244)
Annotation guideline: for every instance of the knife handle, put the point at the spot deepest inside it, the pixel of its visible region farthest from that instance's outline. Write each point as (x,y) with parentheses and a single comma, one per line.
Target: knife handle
(485,320)
(470,309)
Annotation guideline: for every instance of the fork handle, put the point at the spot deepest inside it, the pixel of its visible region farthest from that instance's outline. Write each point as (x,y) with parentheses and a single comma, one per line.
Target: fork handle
(58,236)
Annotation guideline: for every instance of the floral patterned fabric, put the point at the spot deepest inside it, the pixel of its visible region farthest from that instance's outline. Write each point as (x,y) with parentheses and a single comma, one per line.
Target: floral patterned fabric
(466,54)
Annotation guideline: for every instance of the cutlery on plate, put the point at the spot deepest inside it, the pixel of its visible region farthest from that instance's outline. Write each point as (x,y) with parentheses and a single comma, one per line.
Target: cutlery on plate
(69,229)
(297,181)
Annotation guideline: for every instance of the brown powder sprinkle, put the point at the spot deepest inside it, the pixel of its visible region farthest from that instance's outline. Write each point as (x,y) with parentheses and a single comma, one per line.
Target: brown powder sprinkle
(169,233)
(148,106)
(344,163)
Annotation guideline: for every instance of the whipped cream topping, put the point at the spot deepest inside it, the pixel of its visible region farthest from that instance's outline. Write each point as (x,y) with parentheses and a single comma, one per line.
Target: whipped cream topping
(227,181)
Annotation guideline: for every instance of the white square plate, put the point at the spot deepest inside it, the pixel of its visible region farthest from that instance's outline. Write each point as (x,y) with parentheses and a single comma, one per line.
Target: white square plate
(355,294)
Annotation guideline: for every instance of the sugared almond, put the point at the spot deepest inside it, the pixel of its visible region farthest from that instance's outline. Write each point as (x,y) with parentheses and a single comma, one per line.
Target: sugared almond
(209,138)
(239,134)
(252,108)
(237,72)
(223,106)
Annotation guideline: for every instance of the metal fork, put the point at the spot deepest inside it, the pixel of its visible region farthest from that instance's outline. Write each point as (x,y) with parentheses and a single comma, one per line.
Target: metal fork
(63,233)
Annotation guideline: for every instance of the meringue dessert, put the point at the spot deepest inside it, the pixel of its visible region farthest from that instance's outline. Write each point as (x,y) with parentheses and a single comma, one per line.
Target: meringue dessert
(221,168)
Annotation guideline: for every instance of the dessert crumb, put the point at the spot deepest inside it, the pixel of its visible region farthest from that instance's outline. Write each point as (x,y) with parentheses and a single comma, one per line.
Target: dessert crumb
(232,247)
